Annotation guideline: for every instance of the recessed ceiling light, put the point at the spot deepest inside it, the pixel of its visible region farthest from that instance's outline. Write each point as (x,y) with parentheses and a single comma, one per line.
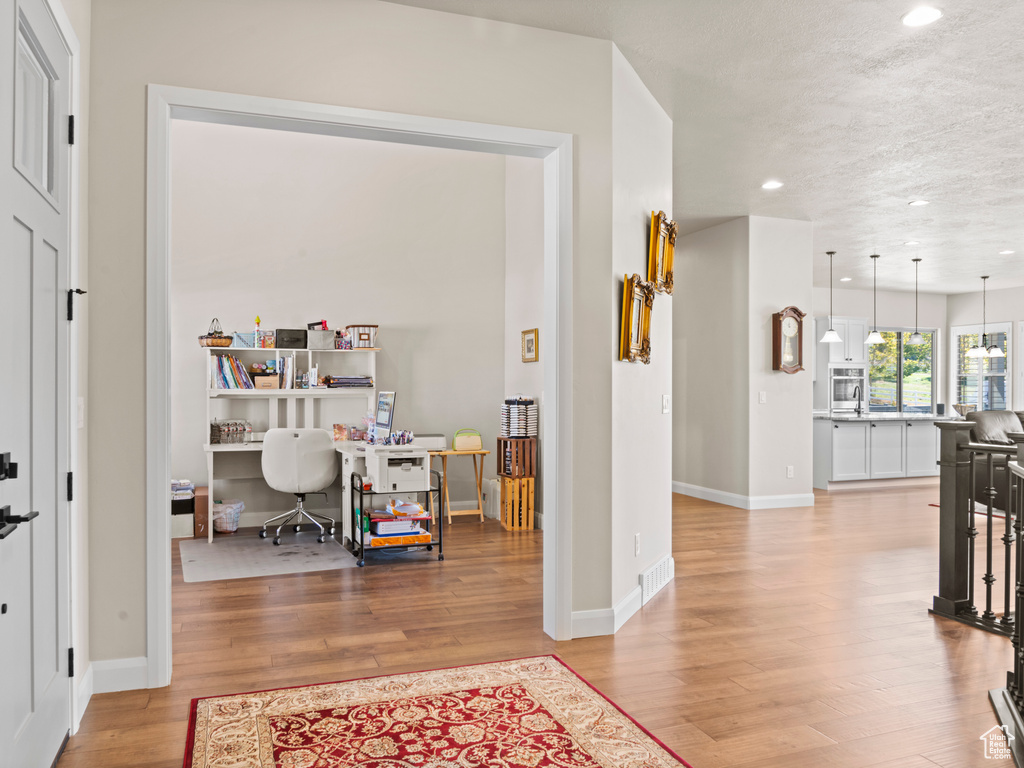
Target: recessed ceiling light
(771,185)
(918,202)
(845,279)
(921,16)
(1005,253)
(911,242)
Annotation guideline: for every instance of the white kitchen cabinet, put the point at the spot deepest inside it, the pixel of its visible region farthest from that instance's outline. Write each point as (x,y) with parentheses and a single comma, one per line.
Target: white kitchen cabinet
(888,445)
(850,450)
(922,448)
(853,331)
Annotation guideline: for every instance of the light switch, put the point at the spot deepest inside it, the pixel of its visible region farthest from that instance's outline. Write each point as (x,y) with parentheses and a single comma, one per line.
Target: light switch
(664,404)
(762,397)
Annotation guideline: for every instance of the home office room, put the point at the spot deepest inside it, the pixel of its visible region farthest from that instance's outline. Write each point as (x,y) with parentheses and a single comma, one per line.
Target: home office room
(420,268)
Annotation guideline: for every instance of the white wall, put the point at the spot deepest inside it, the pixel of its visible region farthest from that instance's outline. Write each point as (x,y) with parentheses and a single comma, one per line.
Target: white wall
(780,429)
(641,433)
(524,288)
(896,310)
(711,425)
(357,53)
(297,227)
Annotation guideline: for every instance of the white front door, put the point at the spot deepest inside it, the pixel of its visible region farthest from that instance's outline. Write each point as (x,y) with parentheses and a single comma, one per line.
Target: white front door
(35,690)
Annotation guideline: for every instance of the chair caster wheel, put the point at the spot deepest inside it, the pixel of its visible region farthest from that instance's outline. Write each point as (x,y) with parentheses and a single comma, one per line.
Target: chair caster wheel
(321,538)
(360,563)
(297,528)
(277,541)
(332,530)
(263,533)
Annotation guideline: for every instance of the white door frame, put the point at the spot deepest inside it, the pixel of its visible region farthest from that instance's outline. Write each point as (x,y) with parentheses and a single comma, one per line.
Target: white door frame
(556,149)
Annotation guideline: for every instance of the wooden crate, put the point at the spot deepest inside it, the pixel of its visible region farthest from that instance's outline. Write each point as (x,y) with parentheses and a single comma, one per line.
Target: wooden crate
(517,503)
(517,456)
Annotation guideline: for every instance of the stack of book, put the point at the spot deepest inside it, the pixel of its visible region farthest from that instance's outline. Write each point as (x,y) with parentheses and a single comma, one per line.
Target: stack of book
(399,526)
(227,372)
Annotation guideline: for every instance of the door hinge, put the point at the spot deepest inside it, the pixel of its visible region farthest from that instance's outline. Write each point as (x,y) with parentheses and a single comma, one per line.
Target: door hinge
(71,301)
(71,486)
(71,129)
(71,662)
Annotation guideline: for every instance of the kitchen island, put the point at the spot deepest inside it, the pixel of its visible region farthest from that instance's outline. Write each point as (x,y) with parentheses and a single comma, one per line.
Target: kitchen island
(874,446)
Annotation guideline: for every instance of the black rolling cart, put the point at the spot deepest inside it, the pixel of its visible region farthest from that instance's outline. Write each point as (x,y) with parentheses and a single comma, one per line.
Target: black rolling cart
(357,544)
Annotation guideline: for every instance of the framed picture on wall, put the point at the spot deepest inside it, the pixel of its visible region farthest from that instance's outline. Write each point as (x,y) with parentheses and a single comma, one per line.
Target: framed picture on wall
(661,252)
(637,302)
(530,344)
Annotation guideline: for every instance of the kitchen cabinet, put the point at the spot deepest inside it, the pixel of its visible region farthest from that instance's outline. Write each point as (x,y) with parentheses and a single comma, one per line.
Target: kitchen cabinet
(850,450)
(853,332)
(922,449)
(888,449)
(874,449)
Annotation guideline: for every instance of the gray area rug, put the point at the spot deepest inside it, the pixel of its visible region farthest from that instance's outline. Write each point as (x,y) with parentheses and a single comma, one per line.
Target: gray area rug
(244,555)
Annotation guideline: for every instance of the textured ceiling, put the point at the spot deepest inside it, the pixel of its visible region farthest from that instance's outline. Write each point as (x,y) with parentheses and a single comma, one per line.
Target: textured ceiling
(856,113)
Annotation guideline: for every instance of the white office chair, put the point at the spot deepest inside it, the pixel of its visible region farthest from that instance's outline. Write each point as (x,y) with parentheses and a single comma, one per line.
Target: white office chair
(299,461)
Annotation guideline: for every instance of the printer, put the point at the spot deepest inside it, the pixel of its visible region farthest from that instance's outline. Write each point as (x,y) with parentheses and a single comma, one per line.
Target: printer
(398,468)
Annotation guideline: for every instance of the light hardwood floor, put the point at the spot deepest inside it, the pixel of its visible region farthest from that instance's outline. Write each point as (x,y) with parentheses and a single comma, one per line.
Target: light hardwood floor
(794,637)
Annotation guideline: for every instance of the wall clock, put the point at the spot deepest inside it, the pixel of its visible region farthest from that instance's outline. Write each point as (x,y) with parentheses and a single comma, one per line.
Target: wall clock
(788,340)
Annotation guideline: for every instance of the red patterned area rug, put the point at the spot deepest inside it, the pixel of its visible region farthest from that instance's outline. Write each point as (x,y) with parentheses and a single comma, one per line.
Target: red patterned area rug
(527,713)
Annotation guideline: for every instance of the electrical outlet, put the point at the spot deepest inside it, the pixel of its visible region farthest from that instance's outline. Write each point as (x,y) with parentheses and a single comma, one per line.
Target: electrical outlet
(762,397)
(636,545)
(789,471)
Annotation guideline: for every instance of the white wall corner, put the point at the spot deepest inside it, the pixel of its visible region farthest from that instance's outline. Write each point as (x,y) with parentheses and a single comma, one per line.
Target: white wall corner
(606,621)
(113,675)
(84,689)
(744,502)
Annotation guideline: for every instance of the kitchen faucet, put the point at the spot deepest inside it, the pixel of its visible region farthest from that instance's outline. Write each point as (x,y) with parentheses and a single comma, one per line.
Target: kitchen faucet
(857,394)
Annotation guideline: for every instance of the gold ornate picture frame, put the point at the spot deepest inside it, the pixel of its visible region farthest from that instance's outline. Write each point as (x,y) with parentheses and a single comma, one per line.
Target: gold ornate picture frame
(637,302)
(662,252)
(531,346)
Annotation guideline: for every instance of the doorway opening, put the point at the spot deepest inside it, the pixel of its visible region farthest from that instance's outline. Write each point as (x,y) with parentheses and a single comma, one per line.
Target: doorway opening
(555,150)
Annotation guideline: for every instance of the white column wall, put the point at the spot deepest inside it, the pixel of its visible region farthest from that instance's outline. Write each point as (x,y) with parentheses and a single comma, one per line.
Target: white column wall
(780,429)
(641,433)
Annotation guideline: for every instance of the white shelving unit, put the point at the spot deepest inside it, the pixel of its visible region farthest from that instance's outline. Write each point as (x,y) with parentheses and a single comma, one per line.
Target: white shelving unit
(274,408)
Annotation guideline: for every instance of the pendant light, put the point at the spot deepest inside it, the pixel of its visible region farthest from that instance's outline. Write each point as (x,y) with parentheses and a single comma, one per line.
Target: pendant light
(830,337)
(874,337)
(992,350)
(915,337)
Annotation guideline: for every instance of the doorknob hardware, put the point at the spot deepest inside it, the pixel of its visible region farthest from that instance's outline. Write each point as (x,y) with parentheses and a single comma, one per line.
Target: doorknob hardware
(8,468)
(7,518)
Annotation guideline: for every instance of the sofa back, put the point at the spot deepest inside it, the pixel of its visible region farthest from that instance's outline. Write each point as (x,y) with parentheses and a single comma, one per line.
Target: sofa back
(994,427)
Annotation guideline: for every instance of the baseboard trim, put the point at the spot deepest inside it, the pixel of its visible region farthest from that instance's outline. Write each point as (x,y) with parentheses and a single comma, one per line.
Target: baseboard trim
(83,695)
(868,485)
(606,621)
(743,502)
(111,675)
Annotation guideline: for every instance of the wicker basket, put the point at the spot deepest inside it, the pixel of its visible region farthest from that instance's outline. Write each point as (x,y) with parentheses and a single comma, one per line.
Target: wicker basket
(215,341)
(226,515)
(363,336)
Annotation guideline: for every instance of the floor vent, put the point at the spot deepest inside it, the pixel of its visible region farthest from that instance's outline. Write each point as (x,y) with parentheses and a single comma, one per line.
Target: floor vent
(656,577)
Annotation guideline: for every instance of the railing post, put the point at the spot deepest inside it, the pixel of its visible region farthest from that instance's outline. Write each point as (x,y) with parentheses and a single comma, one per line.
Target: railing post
(954,490)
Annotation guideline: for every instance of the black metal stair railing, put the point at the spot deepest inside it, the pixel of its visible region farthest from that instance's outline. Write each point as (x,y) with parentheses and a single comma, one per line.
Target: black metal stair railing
(1008,702)
(961,462)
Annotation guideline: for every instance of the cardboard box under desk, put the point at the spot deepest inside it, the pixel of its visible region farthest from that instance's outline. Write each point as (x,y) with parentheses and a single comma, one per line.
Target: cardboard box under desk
(202,514)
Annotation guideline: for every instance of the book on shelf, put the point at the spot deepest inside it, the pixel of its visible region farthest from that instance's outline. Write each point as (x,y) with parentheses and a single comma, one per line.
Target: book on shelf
(386,527)
(228,372)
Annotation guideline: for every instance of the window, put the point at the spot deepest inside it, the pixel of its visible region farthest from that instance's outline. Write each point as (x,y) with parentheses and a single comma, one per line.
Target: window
(900,374)
(981,382)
